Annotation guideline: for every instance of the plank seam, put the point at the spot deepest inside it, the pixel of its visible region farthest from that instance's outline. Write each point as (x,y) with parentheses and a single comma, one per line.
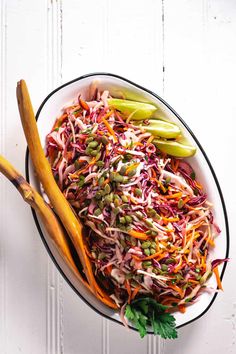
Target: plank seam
(149,344)
(153,346)
(55,326)
(105,337)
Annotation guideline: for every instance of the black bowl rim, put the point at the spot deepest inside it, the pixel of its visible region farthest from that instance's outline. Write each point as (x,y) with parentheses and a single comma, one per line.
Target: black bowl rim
(199,146)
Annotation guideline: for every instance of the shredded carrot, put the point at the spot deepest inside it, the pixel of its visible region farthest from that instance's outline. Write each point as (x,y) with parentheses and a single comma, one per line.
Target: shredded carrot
(173,249)
(107,150)
(182,308)
(217,275)
(131,168)
(193,281)
(107,115)
(210,241)
(59,121)
(138,143)
(198,185)
(152,256)
(161,186)
(176,165)
(170,219)
(193,227)
(118,116)
(191,208)
(83,104)
(169,300)
(172,163)
(203,262)
(105,182)
(133,201)
(77,173)
(178,267)
(185,200)
(136,257)
(190,234)
(135,292)
(163,243)
(128,288)
(109,268)
(163,255)
(110,130)
(185,259)
(153,172)
(175,195)
(138,234)
(177,289)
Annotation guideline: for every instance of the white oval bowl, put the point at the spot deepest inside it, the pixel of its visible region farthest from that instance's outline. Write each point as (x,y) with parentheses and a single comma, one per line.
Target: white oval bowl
(51,108)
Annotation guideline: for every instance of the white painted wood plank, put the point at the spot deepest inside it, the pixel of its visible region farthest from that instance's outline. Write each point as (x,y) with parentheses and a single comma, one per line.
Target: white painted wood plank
(123,38)
(83,332)
(24,258)
(2,181)
(54,325)
(200,52)
(134,41)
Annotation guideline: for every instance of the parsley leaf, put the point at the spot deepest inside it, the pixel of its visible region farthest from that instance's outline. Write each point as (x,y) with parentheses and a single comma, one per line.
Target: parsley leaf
(164,325)
(145,312)
(138,318)
(129,313)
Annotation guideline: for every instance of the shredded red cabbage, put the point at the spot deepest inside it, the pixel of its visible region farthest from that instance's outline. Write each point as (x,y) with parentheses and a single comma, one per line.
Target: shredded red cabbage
(150,227)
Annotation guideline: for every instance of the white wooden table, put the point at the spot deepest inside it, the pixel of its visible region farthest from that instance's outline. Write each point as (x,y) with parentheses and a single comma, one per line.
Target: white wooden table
(183,50)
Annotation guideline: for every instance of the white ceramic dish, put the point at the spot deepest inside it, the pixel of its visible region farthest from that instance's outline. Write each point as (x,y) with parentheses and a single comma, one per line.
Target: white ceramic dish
(119,87)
